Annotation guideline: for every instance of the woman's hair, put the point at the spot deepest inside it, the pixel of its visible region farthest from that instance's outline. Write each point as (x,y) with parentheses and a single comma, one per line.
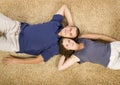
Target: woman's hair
(63,50)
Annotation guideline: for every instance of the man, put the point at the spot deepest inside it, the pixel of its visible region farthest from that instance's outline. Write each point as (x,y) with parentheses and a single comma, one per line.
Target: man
(40,40)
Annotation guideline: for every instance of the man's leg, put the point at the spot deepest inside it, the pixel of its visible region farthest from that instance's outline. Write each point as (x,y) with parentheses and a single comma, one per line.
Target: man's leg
(10,29)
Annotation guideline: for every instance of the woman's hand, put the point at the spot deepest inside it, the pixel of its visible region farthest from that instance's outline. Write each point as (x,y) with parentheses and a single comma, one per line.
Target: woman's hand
(65,64)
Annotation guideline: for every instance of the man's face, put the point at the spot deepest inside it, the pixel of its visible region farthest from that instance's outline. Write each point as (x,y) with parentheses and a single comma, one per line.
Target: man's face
(68,31)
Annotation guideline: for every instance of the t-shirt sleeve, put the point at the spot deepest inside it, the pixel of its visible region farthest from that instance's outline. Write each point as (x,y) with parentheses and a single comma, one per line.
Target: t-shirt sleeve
(50,52)
(57,18)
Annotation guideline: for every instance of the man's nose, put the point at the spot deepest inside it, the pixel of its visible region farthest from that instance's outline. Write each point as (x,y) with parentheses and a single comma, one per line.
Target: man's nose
(68,30)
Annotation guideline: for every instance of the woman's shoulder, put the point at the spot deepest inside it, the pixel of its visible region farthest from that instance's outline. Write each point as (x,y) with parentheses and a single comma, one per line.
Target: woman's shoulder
(75,58)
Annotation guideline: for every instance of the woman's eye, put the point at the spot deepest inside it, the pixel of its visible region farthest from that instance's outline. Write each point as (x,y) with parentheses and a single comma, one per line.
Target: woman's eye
(68,40)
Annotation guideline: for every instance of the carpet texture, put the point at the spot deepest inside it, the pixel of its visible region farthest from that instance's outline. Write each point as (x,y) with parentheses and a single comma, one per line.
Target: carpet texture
(91,16)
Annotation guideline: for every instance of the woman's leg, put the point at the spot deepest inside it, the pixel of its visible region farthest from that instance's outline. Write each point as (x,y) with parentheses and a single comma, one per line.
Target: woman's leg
(115,56)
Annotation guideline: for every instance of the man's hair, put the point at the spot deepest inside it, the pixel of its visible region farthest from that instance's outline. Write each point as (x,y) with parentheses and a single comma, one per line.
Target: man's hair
(63,50)
(77,32)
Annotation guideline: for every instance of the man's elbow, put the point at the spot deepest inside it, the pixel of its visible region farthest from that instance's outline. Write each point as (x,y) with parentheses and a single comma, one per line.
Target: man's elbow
(64,6)
(60,68)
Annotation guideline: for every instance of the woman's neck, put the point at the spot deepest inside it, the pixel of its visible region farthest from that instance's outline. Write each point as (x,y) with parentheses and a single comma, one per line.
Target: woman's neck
(80,46)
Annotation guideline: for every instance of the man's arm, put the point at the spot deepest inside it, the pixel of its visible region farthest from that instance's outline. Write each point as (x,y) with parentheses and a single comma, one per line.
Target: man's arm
(65,64)
(64,11)
(98,36)
(13,60)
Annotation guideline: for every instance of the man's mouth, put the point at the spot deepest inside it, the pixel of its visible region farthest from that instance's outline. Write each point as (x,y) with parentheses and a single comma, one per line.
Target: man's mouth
(72,44)
(65,31)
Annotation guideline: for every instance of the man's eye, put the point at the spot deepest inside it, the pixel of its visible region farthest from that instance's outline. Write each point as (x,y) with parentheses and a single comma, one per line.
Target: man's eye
(68,40)
(66,45)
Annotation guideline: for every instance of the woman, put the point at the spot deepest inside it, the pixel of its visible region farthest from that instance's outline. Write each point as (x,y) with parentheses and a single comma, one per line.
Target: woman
(86,50)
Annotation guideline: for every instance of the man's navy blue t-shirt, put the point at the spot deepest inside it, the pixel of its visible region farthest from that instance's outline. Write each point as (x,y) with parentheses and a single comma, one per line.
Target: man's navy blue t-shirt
(95,52)
(41,38)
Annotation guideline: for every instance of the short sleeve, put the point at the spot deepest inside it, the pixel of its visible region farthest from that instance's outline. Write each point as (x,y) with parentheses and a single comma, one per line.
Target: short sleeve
(57,18)
(50,52)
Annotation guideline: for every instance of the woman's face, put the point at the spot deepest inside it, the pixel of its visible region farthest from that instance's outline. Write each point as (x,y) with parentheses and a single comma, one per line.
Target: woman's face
(69,44)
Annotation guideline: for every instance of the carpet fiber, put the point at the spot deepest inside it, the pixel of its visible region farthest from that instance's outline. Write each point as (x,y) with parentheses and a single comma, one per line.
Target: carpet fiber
(91,16)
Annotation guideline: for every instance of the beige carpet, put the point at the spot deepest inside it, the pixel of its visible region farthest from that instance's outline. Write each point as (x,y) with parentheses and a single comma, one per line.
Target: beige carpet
(91,16)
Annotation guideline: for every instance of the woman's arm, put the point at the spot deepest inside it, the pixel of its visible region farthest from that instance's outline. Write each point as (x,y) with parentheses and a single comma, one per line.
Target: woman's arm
(98,36)
(13,60)
(65,64)
(64,11)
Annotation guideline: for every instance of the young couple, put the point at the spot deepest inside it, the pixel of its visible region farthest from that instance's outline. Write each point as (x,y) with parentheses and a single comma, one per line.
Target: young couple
(41,40)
